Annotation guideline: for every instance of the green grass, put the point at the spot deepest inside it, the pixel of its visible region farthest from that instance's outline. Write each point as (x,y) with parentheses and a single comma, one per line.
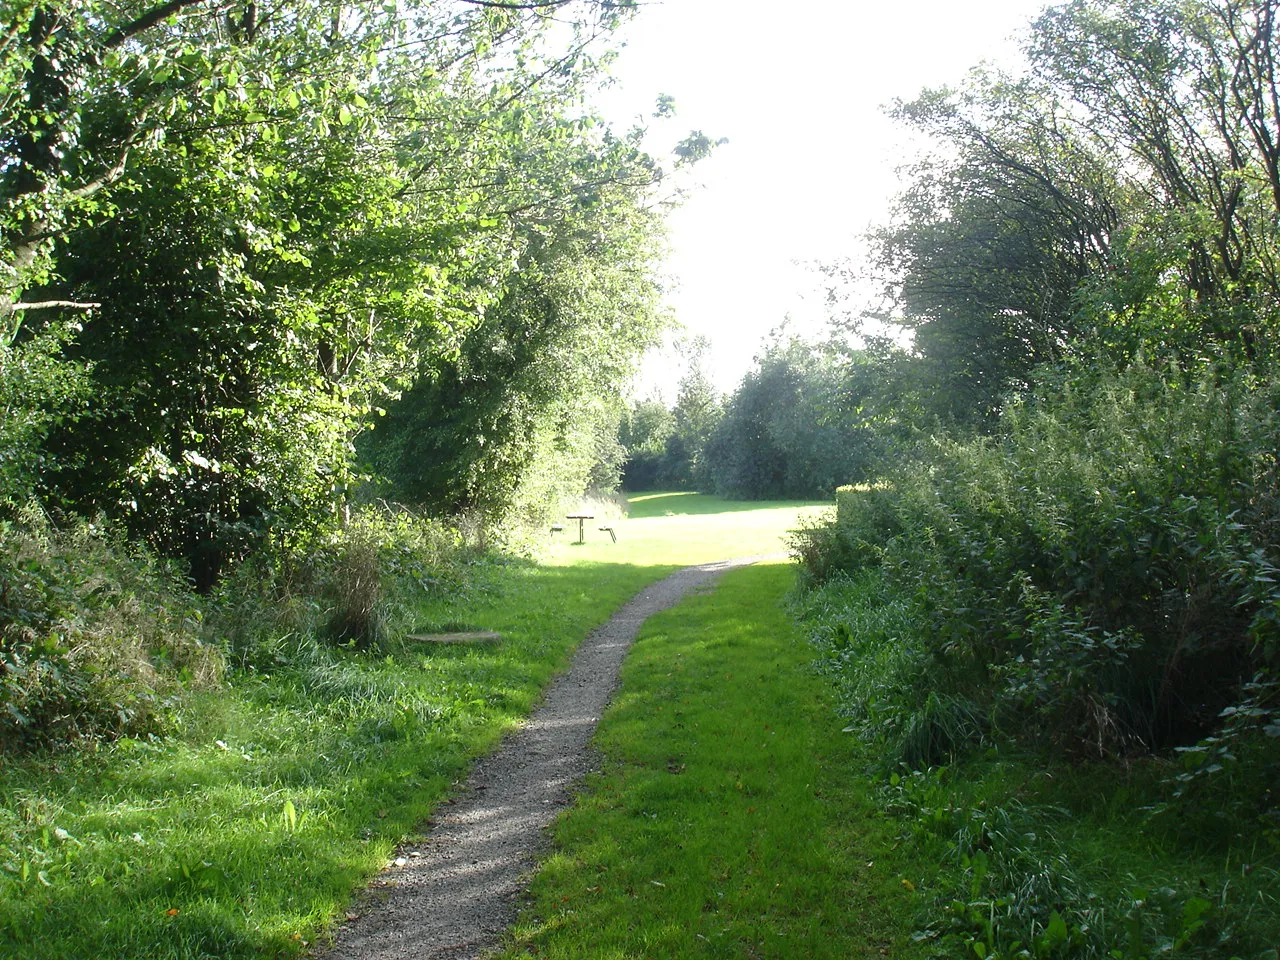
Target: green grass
(282,792)
(245,833)
(679,529)
(725,823)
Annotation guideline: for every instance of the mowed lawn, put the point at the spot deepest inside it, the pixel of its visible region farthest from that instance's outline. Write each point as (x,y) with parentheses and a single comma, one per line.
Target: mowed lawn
(725,822)
(679,529)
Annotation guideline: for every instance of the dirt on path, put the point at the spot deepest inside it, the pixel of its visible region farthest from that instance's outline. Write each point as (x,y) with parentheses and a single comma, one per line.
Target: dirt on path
(453,893)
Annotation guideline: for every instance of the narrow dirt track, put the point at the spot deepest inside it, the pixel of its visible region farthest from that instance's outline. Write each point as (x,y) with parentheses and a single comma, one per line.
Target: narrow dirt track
(458,889)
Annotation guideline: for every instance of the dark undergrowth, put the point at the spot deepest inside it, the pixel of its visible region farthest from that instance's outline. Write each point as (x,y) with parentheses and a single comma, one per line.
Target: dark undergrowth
(1024,854)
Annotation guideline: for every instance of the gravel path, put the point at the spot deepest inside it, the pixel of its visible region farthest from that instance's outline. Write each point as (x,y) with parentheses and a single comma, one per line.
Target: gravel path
(454,893)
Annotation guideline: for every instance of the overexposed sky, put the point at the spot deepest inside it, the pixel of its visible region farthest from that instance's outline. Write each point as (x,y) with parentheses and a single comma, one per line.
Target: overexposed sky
(798,89)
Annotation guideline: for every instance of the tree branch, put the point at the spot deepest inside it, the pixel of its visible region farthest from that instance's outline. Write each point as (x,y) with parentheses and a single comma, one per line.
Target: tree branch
(47,305)
(532,5)
(146,21)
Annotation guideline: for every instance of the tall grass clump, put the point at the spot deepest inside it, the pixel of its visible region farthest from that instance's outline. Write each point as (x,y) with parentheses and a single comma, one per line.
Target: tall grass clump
(359,587)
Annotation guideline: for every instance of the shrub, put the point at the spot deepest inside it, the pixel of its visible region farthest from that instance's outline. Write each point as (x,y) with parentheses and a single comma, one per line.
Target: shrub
(38,391)
(97,640)
(1101,575)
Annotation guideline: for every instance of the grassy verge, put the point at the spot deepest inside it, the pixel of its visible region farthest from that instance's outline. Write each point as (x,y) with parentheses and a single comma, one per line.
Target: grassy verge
(725,822)
(244,833)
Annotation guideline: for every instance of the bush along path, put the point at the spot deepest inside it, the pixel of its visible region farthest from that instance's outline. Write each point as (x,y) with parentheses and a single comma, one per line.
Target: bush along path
(724,822)
(453,893)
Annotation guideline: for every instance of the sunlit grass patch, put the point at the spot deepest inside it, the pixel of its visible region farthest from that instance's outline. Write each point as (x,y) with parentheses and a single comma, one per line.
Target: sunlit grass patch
(724,822)
(684,528)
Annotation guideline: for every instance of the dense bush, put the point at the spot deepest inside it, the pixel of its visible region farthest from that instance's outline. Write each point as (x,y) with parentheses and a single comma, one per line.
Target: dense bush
(38,391)
(1005,617)
(1101,576)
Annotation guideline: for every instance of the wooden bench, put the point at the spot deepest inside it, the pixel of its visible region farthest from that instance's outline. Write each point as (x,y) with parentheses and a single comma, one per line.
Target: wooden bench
(557,528)
(609,530)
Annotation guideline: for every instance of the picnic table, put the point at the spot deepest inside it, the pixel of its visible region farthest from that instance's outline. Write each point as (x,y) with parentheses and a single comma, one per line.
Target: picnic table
(580,517)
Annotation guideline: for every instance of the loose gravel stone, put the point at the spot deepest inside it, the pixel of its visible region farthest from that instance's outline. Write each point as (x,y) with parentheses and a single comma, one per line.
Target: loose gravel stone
(455,892)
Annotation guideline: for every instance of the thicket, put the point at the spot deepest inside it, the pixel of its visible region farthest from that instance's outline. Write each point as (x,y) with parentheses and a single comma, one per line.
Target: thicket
(100,640)
(1060,642)
(1084,523)
(1099,578)
(96,639)
(1066,558)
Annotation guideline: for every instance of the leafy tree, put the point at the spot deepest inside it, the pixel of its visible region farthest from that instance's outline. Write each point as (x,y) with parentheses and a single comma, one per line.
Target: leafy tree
(1189,93)
(988,249)
(695,415)
(90,88)
(787,431)
(276,259)
(540,376)
(643,433)
(1123,194)
(38,392)
(666,447)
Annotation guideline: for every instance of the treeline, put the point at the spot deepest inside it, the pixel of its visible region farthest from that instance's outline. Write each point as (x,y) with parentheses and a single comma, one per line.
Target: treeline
(263,270)
(791,429)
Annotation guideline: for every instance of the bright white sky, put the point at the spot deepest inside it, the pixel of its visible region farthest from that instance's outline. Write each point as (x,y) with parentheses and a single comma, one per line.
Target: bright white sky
(798,90)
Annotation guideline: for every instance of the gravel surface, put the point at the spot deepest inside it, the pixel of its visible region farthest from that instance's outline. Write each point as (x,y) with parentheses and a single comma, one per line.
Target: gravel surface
(455,892)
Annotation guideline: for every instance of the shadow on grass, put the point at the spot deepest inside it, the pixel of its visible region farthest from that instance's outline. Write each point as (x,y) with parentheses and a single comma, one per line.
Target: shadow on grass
(646,504)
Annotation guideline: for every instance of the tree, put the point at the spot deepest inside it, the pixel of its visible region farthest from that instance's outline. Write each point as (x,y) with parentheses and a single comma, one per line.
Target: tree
(788,430)
(1190,94)
(643,433)
(989,248)
(539,378)
(89,88)
(275,262)
(694,418)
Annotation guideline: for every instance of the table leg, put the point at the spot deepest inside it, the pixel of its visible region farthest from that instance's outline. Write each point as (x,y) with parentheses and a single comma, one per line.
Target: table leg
(582,537)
